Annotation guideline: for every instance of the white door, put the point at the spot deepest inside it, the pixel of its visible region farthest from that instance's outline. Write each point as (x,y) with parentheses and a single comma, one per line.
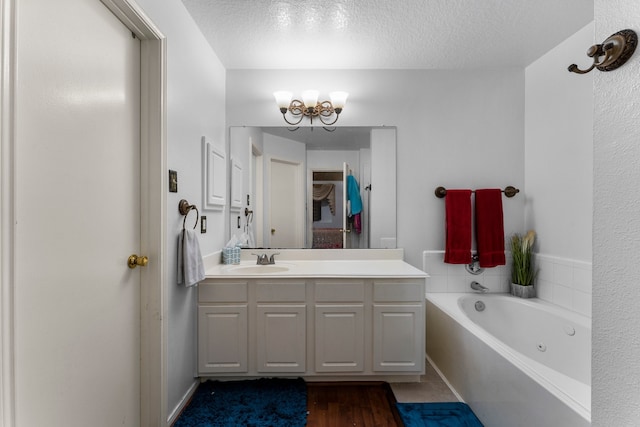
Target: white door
(286,205)
(77,209)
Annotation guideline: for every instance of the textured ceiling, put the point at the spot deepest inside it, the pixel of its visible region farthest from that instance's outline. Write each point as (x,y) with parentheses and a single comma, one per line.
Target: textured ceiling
(404,34)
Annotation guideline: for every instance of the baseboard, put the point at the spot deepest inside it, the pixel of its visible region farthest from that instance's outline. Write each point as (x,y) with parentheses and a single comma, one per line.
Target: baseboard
(173,416)
(441,375)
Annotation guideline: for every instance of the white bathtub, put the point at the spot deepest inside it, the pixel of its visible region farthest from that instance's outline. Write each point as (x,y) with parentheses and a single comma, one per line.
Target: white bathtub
(519,362)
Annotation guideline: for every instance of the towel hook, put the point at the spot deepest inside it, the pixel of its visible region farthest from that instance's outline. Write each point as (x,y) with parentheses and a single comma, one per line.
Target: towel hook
(184,208)
(612,53)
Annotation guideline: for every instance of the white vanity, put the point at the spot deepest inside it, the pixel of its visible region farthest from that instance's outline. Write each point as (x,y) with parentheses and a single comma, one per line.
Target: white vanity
(317,314)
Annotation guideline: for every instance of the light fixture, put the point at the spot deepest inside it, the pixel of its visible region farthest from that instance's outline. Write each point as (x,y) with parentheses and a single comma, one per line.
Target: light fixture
(326,111)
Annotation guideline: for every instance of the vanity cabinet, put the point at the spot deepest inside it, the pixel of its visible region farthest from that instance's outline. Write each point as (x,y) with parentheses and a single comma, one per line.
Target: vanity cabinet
(348,328)
(398,326)
(223,328)
(339,325)
(281,326)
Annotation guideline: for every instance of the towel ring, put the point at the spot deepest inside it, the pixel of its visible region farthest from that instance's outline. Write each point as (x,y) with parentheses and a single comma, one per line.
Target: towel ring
(184,208)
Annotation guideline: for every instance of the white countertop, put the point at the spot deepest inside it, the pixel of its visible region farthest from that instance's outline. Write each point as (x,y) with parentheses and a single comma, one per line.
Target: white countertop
(324,264)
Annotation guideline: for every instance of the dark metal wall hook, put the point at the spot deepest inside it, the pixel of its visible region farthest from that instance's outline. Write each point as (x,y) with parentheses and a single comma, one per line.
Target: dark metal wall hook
(612,53)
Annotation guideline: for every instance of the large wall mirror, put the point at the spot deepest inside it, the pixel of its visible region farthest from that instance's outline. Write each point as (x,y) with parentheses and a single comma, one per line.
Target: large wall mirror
(313,187)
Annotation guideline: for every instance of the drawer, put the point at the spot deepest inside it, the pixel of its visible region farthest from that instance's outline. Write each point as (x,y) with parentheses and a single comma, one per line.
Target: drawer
(398,290)
(223,291)
(281,290)
(337,290)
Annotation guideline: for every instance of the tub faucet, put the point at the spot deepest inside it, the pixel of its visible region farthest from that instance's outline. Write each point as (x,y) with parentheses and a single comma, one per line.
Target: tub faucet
(478,287)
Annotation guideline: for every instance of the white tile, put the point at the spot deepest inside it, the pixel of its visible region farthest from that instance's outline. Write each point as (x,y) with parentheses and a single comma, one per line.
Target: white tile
(582,279)
(456,270)
(563,296)
(582,303)
(493,283)
(563,274)
(459,284)
(435,264)
(544,290)
(545,269)
(495,271)
(437,283)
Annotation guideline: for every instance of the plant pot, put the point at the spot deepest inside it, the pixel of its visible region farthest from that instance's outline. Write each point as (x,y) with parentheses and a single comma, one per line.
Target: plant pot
(522,291)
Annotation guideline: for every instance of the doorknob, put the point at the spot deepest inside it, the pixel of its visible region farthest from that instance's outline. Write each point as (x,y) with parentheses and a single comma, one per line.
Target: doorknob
(273,231)
(135,260)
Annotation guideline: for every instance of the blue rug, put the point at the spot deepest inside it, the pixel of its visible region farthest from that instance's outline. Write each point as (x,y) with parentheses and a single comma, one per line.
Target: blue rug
(447,414)
(263,402)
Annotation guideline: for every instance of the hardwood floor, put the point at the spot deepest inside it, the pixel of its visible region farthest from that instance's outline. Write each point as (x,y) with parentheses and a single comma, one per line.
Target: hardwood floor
(370,404)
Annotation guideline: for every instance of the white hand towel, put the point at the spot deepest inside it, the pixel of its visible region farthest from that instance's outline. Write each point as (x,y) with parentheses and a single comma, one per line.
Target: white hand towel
(190,265)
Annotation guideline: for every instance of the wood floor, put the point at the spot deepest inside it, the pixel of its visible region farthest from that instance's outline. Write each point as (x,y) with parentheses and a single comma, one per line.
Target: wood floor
(370,404)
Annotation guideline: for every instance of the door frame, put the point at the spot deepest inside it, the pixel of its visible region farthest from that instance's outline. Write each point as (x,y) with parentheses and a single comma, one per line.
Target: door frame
(153,333)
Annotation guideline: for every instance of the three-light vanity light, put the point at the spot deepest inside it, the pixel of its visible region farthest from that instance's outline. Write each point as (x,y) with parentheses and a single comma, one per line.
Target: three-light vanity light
(326,111)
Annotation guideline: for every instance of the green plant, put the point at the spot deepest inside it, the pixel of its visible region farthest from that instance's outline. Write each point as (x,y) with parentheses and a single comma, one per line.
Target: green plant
(522,270)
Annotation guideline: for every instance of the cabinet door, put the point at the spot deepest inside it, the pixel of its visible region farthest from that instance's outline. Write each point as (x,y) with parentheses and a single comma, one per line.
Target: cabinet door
(397,338)
(281,338)
(222,338)
(339,338)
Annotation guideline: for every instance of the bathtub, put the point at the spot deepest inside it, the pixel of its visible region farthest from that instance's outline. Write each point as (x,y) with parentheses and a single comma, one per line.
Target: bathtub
(517,362)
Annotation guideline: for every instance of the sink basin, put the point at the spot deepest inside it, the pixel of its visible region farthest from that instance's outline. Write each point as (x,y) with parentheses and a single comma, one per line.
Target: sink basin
(259,269)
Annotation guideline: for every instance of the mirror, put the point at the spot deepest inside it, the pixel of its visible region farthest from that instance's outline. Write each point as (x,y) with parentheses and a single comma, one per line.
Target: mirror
(313,187)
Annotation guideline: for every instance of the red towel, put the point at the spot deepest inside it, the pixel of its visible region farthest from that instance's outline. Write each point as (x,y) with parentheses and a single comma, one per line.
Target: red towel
(489,227)
(458,227)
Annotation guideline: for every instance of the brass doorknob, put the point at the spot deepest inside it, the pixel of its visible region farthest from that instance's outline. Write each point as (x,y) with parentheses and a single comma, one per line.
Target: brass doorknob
(273,231)
(135,260)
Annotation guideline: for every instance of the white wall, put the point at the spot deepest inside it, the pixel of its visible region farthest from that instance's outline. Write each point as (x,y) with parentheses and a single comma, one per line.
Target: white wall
(616,229)
(459,129)
(559,171)
(195,107)
(559,150)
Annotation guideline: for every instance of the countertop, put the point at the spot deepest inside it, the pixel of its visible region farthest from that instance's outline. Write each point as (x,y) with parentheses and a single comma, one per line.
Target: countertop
(326,264)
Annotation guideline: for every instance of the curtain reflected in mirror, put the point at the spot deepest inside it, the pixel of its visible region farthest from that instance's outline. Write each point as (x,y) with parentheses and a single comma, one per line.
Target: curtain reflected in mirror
(311,188)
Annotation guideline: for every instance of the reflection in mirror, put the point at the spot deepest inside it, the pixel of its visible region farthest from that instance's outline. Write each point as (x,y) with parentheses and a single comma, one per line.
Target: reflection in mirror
(312,187)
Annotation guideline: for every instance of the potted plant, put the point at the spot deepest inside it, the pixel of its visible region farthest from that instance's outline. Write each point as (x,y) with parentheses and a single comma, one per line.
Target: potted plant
(523,273)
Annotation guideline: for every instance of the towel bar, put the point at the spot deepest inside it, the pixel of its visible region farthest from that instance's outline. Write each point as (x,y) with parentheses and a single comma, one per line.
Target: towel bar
(508,191)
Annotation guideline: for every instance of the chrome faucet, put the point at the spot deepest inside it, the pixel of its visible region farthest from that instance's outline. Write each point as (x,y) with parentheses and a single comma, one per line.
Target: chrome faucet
(478,287)
(264,259)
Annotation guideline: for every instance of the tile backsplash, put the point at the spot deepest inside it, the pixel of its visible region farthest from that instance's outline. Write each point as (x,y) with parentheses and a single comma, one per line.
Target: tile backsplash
(560,281)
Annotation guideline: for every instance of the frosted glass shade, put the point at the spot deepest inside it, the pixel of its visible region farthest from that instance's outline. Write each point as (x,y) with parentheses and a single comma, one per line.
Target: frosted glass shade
(283,98)
(310,98)
(338,99)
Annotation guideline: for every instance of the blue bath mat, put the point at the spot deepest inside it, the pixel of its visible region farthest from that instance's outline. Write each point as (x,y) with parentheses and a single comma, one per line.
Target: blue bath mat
(446,414)
(263,402)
